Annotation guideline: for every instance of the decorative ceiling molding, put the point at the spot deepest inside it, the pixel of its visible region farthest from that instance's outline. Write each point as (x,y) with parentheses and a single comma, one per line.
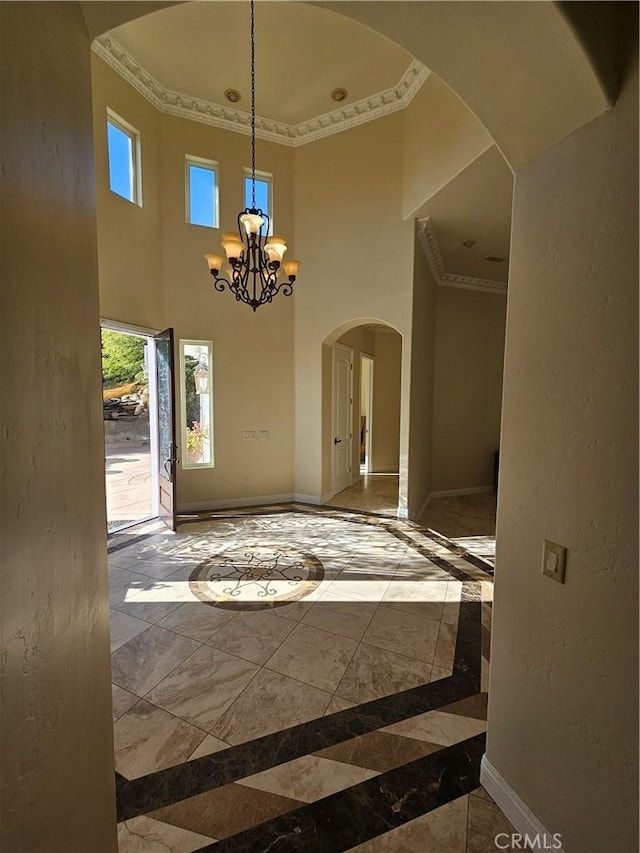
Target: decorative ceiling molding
(184,106)
(429,245)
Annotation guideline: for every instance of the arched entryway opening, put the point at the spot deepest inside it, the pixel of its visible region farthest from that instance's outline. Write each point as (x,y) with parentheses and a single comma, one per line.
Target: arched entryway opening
(361,417)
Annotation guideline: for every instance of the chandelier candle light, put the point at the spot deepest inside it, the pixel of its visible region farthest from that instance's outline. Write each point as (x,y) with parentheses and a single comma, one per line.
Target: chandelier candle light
(254,258)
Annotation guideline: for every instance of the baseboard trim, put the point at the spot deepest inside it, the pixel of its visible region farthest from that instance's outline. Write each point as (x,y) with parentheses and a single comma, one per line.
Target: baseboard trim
(230,503)
(316,500)
(517,811)
(474,490)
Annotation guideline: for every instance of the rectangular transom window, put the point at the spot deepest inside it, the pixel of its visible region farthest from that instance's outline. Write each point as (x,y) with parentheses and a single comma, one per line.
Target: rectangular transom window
(196,384)
(202,192)
(123,145)
(264,200)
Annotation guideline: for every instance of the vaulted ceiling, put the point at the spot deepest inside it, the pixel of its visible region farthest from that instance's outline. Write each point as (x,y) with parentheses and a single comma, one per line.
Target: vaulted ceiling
(189,55)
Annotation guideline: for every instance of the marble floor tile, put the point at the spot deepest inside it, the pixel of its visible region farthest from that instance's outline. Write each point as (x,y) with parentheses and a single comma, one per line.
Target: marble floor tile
(379,750)
(146,835)
(148,612)
(208,746)
(309,778)
(346,618)
(438,672)
(146,739)
(443,830)
(404,633)
(485,822)
(121,701)
(124,628)
(471,706)
(314,656)
(294,611)
(373,673)
(337,704)
(254,636)
(146,659)
(445,646)
(355,589)
(271,702)
(196,620)
(124,583)
(201,689)
(438,727)
(226,810)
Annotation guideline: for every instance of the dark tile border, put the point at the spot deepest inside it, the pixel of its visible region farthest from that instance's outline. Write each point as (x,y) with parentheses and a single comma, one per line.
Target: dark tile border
(350,817)
(165,787)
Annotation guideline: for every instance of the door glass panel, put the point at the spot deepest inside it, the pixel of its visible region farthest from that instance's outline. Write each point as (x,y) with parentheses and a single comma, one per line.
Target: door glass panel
(165,431)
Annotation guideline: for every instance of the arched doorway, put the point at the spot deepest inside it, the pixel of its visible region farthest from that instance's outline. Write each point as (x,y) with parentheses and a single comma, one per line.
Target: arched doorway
(362,371)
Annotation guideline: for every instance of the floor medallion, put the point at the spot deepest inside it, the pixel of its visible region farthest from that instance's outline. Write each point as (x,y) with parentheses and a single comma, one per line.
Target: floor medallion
(256,577)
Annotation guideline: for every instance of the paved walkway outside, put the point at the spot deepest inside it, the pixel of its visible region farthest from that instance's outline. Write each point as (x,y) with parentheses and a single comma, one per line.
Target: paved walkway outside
(128,482)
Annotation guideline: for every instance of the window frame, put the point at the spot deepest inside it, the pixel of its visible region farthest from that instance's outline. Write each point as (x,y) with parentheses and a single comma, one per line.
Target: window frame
(268,178)
(136,155)
(213,166)
(185,464)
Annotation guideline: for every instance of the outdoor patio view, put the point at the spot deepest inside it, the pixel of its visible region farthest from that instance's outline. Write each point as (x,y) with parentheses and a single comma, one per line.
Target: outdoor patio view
(125,406)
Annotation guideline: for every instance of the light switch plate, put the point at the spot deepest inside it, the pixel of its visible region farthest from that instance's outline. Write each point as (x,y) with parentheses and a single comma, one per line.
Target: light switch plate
(554,560)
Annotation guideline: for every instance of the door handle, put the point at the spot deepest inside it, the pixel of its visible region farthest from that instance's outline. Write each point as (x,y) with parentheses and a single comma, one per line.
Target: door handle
(168,469)
(337,441)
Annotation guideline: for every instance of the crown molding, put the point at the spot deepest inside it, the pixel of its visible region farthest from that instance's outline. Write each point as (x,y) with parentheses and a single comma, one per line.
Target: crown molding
(184,106)
(429,244)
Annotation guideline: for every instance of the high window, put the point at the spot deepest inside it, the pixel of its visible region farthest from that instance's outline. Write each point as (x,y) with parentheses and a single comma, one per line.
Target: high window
(264,195)
(196,382)
(123,145)
(202,192)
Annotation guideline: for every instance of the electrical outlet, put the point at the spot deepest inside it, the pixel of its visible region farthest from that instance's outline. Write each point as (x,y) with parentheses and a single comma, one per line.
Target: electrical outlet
(264,434)
(554,561)
(246,482)
(249,435)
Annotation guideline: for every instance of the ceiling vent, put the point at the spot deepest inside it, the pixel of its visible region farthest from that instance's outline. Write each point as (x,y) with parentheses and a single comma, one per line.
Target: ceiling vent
(495,259)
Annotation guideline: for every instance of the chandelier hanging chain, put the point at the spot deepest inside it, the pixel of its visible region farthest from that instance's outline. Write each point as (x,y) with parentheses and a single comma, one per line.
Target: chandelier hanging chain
(253,108)
(254,255)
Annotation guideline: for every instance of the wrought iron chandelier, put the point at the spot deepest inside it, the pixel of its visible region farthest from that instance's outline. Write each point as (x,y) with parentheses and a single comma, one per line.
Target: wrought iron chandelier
(255,267)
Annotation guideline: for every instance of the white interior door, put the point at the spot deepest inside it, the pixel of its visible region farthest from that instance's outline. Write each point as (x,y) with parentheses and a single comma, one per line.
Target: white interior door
(342,401)
(366,405)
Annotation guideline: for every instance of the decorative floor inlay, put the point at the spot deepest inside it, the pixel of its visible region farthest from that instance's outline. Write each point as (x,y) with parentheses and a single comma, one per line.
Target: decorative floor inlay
(299,678)
(255,577)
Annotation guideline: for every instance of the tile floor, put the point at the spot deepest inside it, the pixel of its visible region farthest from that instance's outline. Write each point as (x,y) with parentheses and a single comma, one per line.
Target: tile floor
(300,679)
(467,520)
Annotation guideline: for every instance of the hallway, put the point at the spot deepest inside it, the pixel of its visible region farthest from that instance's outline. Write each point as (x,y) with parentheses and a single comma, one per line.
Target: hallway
(306,673)
(467,520)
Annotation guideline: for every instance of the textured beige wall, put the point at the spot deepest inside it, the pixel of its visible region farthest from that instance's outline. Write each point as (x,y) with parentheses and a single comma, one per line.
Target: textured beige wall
(346,279)
(165,282)
(129,237)
(467,391)
(387,389)
(563,717)
(421,404)
(252,352)
(441,138)
(57,742)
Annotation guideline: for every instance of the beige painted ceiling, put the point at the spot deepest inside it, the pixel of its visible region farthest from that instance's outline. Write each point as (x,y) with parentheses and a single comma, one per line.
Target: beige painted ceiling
(475,205)
(303,53)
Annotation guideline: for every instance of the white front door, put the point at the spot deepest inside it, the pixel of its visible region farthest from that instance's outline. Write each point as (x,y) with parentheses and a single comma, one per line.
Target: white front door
(341,417)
